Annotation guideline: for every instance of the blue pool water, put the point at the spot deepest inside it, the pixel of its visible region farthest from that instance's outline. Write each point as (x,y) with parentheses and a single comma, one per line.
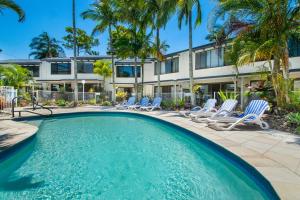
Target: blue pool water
(121,156)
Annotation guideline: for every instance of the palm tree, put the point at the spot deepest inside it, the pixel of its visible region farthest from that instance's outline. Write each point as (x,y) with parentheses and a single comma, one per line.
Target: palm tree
(265,26)
(103,13)
(104,69)
(15,75)
(160,12)
(136,17)
(10,4)
(185,13)
(75,52)
(44,46)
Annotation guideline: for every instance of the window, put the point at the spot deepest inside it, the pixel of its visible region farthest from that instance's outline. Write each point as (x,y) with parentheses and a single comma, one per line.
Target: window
(210,58)
(200,60)
(34,70)
(171,66)
(60,68)
(85,67)
(128,71)
(294,47)
(227,57)
(156,70)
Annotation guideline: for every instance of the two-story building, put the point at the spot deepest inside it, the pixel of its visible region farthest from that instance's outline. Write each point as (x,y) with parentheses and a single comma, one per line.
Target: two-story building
(211,70)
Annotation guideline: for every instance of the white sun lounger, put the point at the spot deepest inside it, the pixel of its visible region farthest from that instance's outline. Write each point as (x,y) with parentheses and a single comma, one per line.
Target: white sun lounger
(155,105)
(225,110)
(252,115)
(144,102)
(208,106)
(126,104)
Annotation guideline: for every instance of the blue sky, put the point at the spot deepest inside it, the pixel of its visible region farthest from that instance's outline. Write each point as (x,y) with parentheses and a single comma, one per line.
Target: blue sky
(53,16)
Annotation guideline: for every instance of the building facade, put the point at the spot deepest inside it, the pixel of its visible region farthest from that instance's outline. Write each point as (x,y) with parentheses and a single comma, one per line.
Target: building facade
(210,67)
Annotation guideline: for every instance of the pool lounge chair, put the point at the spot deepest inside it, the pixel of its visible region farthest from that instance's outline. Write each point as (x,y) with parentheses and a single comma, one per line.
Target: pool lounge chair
(126,104)
(252,115)
(208,106)
(144,102)
(225,110)
(155,105)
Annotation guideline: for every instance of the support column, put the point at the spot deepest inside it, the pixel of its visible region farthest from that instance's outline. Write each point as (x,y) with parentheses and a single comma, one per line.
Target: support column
(242,92)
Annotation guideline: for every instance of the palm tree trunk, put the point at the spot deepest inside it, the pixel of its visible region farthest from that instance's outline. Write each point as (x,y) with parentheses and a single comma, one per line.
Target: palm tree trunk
(75,53)
(135,77)
(112,64)
(142,68)
(158,61)
(191,59)
(285,71)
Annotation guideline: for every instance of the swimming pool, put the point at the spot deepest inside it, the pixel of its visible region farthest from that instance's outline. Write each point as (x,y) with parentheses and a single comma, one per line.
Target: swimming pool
(124,156)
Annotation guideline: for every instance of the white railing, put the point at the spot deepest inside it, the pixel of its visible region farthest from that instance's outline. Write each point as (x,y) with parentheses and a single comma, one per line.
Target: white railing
(45,95)
(6,96)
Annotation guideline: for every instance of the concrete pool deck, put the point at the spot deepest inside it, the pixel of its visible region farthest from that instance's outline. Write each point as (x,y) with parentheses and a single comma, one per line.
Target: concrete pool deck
(275,154)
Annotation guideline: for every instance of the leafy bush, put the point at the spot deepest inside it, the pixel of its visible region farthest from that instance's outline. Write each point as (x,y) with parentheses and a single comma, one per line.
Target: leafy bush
(294,105)
(106,103)
(121,96)
(92,101)
(61,102)
(181,103)
(294,119)
(168,105)
(227,95)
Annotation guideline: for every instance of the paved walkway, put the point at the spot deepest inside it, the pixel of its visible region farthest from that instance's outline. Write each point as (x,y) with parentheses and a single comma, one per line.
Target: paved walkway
(273,153)
(12,133)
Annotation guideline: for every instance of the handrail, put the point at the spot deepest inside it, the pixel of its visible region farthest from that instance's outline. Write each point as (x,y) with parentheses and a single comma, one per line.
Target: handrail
(35,106)
(13,105)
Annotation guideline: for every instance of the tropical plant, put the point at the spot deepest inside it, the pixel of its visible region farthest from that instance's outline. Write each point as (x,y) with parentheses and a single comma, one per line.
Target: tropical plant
(294,119)
(10,4)
(15,76)
(121,96)
(129,42)
(160,13)
(132,13)
(185,13)
(103,13)
(227,95)
(103,68)
(85,43)
(44,46)
(106,103)
(263,27)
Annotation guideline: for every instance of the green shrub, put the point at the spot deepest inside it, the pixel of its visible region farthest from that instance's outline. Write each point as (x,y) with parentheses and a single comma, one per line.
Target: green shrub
(121,96)
(294,119)
(227,95)
(294,105)
(181,103)
(168,105)
(92,101)
(106,103)
(61,102)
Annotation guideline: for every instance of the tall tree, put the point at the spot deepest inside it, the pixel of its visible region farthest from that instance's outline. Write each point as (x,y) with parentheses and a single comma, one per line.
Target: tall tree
(75,52)
(103,13)
(44,46)
(264,27)
(10,4)
(185,13)
(133,14)
(160,12)
(85,43)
